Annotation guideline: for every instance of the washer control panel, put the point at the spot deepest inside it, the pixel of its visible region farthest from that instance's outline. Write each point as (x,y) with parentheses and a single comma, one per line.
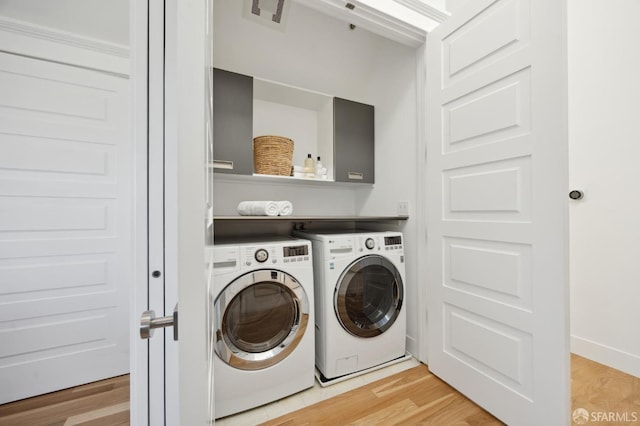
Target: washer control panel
(393,242)
(253,255)
(296,253)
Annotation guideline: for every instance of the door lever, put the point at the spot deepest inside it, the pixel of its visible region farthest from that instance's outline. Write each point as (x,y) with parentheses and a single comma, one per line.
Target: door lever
(149,322)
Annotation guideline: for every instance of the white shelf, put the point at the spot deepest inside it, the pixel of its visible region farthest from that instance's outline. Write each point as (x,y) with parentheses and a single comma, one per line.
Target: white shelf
(302,115)
(286,180)
(293,179)
(313,218)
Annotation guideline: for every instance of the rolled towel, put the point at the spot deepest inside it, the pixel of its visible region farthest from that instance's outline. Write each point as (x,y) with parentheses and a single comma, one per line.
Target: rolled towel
(258,208)
(285,208)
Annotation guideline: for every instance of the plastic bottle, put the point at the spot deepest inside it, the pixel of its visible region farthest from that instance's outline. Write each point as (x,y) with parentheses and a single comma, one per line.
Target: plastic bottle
(319,168)
(309,167)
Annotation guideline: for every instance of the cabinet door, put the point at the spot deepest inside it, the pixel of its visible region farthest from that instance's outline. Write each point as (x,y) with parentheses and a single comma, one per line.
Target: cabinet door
(354,141)
(232,122)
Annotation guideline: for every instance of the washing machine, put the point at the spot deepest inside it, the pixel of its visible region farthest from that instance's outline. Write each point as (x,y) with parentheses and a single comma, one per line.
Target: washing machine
(261,321)
(359,300)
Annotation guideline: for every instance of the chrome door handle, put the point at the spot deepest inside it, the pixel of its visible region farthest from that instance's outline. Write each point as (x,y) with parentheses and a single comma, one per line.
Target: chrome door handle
(149,322)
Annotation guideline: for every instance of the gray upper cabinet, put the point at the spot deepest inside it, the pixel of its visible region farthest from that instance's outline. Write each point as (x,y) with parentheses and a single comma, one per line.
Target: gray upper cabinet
(235,106)
(232,122)
(354,141)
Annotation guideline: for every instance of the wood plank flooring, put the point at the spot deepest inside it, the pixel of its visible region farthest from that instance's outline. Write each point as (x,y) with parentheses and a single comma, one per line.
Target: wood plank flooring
(103,403)
(413,396)
(602,390)
(418,397)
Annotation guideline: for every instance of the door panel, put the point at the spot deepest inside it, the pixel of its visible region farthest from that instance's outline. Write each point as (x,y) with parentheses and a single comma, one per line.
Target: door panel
(496,185)
(65,234)
(501,31)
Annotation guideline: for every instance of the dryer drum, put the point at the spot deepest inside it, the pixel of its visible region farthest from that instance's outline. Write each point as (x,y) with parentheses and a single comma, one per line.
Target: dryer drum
(368,296)
(259,319)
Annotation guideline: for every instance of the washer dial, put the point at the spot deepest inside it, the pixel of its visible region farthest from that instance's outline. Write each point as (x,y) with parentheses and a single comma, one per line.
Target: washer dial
(369,243)
(261,255)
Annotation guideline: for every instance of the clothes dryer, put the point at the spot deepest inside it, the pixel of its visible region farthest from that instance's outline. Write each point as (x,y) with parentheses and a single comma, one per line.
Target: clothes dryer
(262,322)
(359,299)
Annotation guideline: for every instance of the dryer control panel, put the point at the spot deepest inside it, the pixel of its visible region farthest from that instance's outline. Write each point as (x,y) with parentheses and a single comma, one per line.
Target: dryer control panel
(378,242)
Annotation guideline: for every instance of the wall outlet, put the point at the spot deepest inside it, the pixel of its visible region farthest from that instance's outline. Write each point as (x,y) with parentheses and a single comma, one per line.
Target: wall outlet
(403,208)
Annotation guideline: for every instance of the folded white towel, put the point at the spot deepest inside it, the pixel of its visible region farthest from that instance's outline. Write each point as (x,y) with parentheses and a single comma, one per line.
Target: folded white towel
(286,208)
(265,208)
(258,208)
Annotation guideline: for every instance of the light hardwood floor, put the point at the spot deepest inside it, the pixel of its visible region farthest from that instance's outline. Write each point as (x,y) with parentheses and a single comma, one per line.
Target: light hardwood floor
(412,397)
(417,397)
(409,397)
(103,403)
(602,390)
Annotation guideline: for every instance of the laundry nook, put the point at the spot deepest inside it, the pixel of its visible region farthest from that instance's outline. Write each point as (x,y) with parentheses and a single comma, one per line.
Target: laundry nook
(276,212)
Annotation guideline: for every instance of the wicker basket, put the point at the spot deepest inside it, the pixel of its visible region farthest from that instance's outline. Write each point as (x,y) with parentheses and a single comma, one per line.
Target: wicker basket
(272,155)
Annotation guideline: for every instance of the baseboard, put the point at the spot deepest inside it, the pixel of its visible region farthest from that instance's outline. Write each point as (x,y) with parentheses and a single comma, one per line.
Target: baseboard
(412,346)
(611,357)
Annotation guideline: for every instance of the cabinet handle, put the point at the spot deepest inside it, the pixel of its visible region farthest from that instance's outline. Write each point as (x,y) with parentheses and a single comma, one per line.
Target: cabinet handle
(223,164)
(355,175)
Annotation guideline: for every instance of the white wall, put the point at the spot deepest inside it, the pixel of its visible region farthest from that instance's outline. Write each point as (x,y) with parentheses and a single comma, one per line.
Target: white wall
(321,53)
(604,138)
(396,164)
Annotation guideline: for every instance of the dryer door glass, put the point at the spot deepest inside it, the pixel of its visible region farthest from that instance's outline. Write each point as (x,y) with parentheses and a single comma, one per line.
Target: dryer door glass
(259,319)
(369,296)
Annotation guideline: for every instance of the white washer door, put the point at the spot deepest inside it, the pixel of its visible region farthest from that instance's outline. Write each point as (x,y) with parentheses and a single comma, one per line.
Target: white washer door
(368,296)
(259,319)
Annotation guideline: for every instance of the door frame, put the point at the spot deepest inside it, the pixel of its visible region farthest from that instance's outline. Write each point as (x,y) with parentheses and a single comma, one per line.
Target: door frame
(139,366)
(185,187)
(192,70)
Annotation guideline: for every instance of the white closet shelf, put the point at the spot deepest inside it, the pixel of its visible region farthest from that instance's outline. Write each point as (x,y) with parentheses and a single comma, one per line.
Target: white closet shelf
(313,218)
(286,180)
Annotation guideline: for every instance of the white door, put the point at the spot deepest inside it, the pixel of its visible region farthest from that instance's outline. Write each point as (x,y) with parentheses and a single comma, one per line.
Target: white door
(171,381)
(65,226)
(497,208)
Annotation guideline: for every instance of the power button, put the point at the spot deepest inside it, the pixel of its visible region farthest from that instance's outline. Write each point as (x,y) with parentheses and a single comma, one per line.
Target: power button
(261,255)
